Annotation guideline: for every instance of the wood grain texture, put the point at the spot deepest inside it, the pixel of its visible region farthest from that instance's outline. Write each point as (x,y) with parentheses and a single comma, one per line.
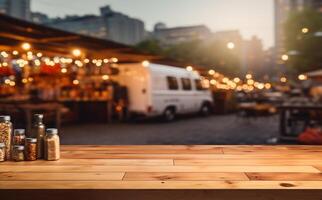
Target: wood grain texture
(170,167)
(180,176)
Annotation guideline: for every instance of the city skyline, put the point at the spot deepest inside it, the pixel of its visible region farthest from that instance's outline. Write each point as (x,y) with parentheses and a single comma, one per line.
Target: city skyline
(251,18)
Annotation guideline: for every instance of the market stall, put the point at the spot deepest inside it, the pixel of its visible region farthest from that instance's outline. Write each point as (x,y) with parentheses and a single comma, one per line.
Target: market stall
(41,65)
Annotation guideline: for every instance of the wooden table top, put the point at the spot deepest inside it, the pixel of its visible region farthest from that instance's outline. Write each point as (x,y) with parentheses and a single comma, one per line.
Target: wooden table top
(170,167)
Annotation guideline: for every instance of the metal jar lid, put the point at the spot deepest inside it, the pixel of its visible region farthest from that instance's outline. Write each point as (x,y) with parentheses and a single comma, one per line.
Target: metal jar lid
(5,118)
(19,132)
(52,131)
(2,145)
(31,140)
(19,147)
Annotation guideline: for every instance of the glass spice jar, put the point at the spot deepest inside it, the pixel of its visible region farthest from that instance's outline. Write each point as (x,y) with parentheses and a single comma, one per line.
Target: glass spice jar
(2,152)
(52,144)
(38,131)
(31,149)
(19,137)
(18,153)
(5,134)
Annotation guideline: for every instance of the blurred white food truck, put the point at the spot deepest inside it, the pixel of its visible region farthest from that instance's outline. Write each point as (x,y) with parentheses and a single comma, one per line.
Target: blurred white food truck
(160,90)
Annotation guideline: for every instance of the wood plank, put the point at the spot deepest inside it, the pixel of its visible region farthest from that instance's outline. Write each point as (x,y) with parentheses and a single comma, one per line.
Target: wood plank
(319,167)
(161,185)
(167,176)
(237,162)
(62,176)
(272,150)
(149,149)
(97,155)
(73,162)
(93,168)
(285,176)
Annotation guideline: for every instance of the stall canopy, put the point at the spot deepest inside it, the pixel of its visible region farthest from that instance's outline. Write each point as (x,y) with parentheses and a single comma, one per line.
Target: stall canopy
(14,32)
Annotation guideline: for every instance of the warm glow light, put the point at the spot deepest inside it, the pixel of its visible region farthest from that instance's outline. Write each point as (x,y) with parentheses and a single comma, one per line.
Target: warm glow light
(250,82)
(189,68)
(213,82)
(12,83)
(302,77)
(283,79)
(39,55)
(98,64)
(260,86)
(5,64)
(105,60)
(230,45)
(249,76)
(284,57)
(76,52)
(63,70)
(4,54)
(236,80)
(26,46)
(115,60)
(86,60)
(211,72)
(7,81)
(37,62)
(268,86)
(225,80)
(145,63)
(24,80)
(305,30)
(75,82)
(105,77)
(15,53)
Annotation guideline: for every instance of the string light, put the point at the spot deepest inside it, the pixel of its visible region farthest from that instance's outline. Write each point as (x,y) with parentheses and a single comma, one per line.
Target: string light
(189,68)
(26,46)
(283,79)
(145,63)
(75,82)
(76,52)
(302,77)
(105,77)
(211,72)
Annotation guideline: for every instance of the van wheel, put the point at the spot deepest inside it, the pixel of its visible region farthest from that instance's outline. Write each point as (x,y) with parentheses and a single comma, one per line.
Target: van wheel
(169,115)
(205,110)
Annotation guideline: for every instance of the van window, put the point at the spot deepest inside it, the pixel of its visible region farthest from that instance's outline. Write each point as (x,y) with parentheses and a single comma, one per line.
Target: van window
(199,84)
(172,83)
(186,83)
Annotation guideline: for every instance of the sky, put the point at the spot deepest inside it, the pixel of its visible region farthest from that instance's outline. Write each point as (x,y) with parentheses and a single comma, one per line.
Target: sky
(251,17)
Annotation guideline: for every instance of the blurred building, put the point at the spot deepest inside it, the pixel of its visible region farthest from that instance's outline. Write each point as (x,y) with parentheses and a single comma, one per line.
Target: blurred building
(282,10)
(16,8)
(253,56)
(177,35)
(109,25)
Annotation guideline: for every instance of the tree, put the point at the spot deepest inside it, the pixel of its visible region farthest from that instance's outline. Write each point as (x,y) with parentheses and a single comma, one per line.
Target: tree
(302,44)
(213,55)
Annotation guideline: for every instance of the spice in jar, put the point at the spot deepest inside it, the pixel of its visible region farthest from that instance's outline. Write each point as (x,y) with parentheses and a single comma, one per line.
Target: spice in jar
(5,134)
(2,152)
(38,131)
(52,144)
(31,149)
(19,137)
(18,153)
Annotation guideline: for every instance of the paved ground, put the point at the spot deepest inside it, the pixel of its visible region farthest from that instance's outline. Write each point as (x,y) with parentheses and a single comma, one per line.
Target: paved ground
(226,129)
